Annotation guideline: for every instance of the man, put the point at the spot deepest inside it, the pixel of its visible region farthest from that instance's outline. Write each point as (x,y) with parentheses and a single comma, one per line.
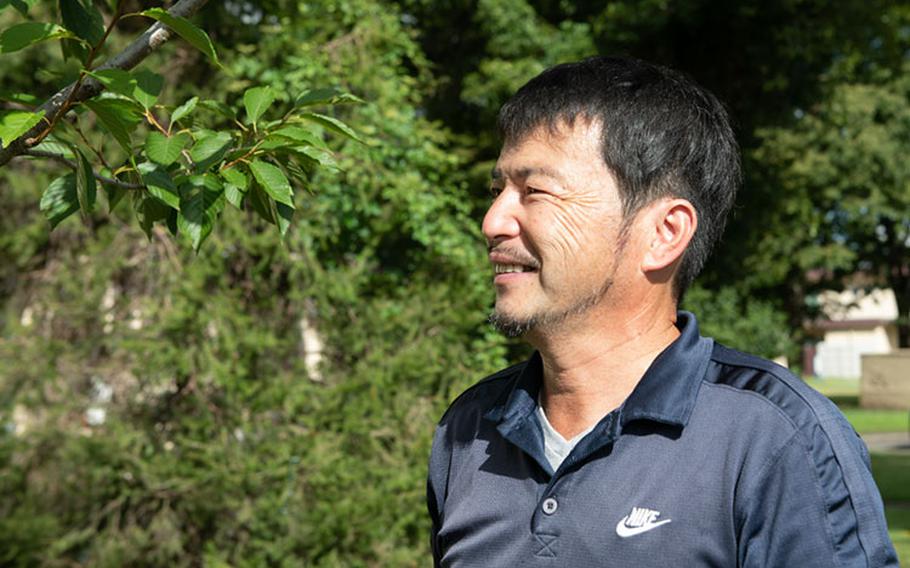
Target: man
(628,439)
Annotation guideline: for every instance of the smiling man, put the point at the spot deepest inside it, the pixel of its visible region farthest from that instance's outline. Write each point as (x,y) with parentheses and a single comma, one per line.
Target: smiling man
(628,439)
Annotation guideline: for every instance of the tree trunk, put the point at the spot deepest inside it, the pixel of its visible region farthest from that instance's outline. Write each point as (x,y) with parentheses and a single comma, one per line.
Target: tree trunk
(898,270)
(902,293)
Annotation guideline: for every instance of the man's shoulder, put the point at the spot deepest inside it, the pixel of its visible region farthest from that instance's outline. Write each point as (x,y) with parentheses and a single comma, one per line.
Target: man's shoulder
(808,434)
(774,387)
(480,397)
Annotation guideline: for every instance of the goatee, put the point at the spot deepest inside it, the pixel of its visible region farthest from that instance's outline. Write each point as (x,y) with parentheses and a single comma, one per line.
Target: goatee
(515,327)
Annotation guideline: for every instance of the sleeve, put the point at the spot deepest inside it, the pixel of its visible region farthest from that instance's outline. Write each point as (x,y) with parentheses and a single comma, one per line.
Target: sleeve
(434,522)
(437,477)
(814,504)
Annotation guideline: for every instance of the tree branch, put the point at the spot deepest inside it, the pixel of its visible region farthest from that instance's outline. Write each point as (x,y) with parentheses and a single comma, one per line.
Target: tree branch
(72,164)
(139,49)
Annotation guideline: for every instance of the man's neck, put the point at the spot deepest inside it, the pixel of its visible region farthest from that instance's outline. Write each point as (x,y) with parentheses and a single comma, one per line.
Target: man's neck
(591,365)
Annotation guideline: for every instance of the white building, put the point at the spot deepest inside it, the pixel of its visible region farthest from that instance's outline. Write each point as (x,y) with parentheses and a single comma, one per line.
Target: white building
(858,322)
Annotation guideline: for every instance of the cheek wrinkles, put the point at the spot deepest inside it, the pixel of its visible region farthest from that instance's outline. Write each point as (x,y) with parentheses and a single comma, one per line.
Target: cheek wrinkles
(571,223)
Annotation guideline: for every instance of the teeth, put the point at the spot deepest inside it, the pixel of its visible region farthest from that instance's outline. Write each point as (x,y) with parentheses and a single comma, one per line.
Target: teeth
(504,268)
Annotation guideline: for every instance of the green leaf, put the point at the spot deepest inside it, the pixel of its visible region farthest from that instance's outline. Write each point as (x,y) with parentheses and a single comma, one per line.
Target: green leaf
(142,86)
(311,156)
(263,205)
(272,142)
(277,214)
(149,211)
(233,176)
(21,5)
(325,96)
(116,81)
(201,200)
(209,149)
(114,195)
(171,220)
(21,98)
(159,184)
(285,215)
(75,49)
(54,146)
(218,107)
(84,20)
(118,117)
(16,123)
(332,124)
(197,38)
(300,135)
(318,155)
(273,181)
(65,132)
(234,196)
(235,186)
(296,172)
(86,189)
(25,34)
(59,200)
(163,149)
(184,109)
(148,87)
(256,101)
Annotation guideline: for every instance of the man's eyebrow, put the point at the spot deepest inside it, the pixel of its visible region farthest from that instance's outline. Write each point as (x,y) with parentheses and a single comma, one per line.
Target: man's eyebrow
(497,174)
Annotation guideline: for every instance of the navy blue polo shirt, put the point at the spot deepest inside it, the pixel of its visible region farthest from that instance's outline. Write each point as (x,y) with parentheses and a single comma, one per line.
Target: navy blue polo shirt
(717,458)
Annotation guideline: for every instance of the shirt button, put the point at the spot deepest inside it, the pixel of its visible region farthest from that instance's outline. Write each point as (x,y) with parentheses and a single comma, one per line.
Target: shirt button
(550,505)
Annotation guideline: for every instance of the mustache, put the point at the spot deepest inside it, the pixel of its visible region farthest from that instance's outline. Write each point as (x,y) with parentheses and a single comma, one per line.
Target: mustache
(515,256)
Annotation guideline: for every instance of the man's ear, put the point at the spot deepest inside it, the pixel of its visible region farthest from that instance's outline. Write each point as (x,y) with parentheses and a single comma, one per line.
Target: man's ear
(670,224)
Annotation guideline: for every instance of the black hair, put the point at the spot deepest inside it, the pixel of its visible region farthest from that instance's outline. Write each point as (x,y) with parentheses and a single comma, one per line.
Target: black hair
(663,135)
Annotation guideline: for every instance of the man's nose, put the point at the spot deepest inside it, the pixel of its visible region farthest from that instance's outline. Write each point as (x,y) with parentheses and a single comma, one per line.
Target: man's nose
(501,221)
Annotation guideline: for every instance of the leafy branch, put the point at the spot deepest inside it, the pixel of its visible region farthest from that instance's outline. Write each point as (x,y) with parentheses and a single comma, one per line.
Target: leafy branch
(181,175)
(64,160)
(80,90)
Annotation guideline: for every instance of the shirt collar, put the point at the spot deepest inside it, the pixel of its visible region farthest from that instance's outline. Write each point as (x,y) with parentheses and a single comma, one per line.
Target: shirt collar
(666,392)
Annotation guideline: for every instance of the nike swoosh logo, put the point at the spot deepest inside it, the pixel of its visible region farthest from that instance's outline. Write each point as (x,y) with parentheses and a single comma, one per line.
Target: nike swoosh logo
(625,532)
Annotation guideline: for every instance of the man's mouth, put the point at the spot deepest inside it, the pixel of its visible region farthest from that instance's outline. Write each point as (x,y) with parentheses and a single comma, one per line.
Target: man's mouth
(507,262)
(507,268)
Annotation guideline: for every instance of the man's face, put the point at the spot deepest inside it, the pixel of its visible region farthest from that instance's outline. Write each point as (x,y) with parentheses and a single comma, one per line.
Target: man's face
(554,228)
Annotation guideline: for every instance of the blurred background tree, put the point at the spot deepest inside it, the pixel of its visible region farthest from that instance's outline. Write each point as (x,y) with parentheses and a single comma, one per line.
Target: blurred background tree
(271,401)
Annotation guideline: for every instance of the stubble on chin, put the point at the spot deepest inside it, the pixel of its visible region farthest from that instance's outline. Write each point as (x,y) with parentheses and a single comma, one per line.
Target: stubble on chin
(512,326)
(509,326)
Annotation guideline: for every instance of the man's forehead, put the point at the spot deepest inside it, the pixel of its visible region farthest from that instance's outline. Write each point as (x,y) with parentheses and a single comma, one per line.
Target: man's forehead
(525,171)
(541,150)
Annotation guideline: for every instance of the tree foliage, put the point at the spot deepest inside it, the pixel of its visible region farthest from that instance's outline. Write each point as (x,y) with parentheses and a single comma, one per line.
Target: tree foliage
(220,446)
(840,173)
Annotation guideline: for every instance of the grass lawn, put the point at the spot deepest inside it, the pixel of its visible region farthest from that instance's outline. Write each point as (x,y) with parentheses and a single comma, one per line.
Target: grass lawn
(899,528)
(869,421)
(845,394)
(835,388)
(892,475)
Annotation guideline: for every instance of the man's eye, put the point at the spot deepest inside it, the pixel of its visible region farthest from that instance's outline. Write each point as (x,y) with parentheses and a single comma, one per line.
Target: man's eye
(533,190)
(495,191)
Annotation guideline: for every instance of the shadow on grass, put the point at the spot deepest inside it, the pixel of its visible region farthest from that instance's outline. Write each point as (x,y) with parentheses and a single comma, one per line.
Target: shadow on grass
(845,400)
(898,516)
(892,475)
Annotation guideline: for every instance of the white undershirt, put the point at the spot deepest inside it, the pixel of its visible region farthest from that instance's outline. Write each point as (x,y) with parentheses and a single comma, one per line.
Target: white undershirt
(555,447)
